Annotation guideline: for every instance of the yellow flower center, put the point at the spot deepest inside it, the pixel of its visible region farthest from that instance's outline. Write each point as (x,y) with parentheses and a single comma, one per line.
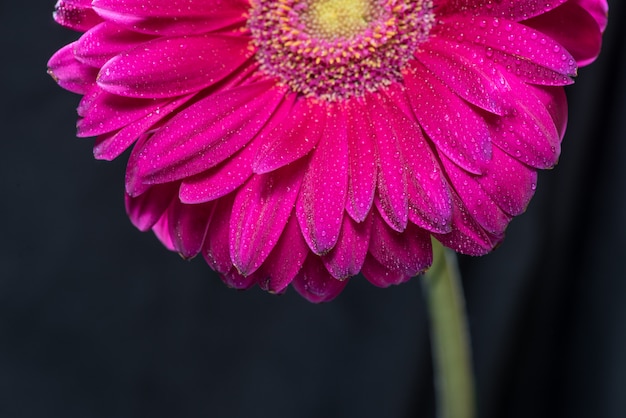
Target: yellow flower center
(332,19)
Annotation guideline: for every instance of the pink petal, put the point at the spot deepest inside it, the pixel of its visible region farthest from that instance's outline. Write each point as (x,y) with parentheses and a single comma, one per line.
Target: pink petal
(479,85)
(508,9)
(458,130)
(574,28)
(172,8)
(347,257)
(76,14)
(110,146)
(220,180)
(104,42)
(162,231)
(207,132)
(391,199)
(429,202)
(527,52)
(173,18)
(237,280)
(167,67)
(362,171)
(381,276)
(315,283)
(322,197)
(216,249)
(527,132)
(146,209)
(291,136)
(408,252)
(478,203)
(104,112)
(509,183)
(285,260)
(260,212)
(70,73)
(467,236)
(188,226)
(598,9)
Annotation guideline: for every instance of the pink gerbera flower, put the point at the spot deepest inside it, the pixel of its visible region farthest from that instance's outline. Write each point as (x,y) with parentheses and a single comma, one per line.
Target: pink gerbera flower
(305,141)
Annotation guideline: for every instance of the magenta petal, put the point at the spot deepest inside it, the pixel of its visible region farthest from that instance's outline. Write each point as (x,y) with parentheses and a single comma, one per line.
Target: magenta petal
(315,283)
(167,67)
(207,132)
(429,202)
(479,85)
(260,213)
(527,132)
(391,199)
(104,42)
(481,207)
(188,226)
(220,180)
(70,73)
(162,231)
(110,146)
(322,197)
(172,8)
(216,250)
(291,136)
(509,183)
(598,9)
(381,276)
(467,236)
(408,252)
(286,259)
(525,49)
(574,28)
(509,9)
(362,169)
(237,280)
(105,112)
(146,209)
(347,257)
(76,14)
(457,129)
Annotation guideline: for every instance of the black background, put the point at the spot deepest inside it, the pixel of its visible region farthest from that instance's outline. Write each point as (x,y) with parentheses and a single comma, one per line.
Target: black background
(98,320)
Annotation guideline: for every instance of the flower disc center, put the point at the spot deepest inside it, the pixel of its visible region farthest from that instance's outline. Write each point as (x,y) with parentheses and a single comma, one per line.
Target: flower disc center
(338,18)
(336,49)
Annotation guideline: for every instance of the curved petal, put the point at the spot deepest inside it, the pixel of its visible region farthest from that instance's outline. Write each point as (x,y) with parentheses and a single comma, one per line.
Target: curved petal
(216,249)
(105,41)
(76,14)
(315,283)
(167,67)
(207,132)
(285,260)
(322,197)
(508,9)
(347,257)
(574,28)
(391,199)
(260,212)
(456,129)
(407,253)
(70,73)
(146,209)
(188,226)
(362,169)
(292,136)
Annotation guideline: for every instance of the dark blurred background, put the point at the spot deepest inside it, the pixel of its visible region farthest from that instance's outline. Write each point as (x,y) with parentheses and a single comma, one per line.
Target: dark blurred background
(98,320)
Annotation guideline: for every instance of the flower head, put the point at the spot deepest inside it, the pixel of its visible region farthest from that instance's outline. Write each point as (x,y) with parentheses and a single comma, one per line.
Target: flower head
(305,141)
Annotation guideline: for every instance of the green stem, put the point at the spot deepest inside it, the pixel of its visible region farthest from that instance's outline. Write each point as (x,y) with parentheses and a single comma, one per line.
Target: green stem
(454,383)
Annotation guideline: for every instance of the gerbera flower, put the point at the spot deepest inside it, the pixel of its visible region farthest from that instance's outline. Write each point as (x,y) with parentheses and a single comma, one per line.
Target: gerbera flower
(305,141)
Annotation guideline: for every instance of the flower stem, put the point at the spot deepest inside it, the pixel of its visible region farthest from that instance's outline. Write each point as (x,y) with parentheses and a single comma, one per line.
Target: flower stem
(454,384)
